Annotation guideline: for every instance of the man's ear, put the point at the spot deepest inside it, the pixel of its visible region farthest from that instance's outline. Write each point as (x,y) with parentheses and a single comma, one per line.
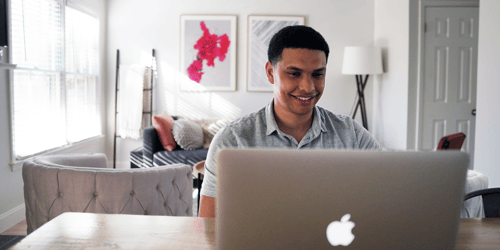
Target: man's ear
(269,72)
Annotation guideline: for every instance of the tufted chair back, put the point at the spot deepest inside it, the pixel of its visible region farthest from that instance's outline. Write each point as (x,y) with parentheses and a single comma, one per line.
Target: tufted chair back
(81,183)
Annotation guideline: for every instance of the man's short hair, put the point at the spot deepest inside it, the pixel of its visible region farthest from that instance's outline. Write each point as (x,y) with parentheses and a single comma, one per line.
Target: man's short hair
(295,37)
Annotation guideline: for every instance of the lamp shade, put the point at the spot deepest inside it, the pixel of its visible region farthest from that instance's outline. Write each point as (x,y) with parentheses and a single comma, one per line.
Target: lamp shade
(362,61)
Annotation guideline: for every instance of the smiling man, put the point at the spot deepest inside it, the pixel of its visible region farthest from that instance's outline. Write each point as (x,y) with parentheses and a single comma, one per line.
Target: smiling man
(297,69)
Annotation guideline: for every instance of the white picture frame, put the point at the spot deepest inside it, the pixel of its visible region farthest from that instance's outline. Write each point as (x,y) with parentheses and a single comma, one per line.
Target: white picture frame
(215,69)
(260,29)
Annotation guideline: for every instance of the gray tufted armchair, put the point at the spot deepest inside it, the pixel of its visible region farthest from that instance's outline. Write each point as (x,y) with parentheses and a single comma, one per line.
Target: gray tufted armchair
(81,183)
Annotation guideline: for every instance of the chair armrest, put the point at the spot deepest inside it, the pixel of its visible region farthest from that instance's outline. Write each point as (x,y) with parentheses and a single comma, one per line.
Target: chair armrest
(89,160)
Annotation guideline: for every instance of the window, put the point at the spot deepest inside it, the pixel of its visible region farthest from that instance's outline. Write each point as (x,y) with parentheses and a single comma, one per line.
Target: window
(55,85)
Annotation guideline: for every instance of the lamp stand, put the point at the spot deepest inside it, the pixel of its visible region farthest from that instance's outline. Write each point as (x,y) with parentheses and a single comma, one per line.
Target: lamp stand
(361,99)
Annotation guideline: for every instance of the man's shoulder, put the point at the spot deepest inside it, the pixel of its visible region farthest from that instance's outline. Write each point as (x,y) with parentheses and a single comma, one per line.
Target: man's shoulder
(350,132)
(326,112)
(247,122)
(335,120)
(240,132)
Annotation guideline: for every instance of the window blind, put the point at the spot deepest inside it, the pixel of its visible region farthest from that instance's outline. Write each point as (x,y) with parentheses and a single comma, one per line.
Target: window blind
(55,84)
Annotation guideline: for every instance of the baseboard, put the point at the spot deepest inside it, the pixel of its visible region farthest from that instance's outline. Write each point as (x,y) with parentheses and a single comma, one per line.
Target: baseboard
(12,217)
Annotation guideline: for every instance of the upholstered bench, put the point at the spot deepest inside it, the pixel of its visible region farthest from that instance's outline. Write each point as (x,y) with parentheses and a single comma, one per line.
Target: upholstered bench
(136,158)
(163,158)
(473,208)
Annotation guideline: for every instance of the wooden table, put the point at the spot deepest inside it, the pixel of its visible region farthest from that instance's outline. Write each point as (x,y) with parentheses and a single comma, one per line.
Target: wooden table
(479,234)
(113,231)
(119,231)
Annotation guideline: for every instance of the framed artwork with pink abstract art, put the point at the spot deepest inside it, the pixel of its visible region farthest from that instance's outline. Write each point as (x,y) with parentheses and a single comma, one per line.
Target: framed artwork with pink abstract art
(208,53)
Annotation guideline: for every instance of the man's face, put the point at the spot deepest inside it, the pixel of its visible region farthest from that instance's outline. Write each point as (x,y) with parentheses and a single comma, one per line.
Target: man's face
(299,80)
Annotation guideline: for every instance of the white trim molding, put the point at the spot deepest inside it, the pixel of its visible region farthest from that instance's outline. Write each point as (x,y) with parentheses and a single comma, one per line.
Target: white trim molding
(7,66)
(12,217)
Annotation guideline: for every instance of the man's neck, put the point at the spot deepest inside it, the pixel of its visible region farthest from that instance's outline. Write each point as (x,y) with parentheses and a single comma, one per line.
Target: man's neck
(293,124)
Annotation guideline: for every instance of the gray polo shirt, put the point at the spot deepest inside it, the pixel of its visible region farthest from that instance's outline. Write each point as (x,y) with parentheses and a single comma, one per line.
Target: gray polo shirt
(259,130)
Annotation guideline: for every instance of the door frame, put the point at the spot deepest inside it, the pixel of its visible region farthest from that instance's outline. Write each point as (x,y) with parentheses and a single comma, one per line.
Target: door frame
(417,65)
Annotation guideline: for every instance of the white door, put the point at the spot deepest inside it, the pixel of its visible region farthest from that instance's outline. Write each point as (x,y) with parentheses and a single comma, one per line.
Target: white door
(450,75)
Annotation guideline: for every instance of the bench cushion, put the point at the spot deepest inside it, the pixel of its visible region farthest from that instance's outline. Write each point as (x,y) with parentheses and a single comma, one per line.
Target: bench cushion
(188,157)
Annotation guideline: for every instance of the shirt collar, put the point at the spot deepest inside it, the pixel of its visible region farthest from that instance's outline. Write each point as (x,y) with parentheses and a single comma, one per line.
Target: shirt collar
(317,125)
(270,121)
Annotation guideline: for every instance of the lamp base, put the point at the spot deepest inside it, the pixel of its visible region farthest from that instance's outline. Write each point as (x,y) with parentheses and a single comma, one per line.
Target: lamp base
(361,84)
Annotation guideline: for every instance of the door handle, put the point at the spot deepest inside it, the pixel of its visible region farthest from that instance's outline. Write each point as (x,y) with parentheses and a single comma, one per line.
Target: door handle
(474,112)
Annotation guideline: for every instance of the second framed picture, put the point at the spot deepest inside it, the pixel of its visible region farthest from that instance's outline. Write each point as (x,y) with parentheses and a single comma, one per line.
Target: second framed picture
(260,31)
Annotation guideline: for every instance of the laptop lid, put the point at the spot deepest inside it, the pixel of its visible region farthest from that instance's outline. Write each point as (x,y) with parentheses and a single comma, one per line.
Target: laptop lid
(315,199)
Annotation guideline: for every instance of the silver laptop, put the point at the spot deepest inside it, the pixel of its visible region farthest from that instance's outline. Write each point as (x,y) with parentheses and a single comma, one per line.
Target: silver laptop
(325,199)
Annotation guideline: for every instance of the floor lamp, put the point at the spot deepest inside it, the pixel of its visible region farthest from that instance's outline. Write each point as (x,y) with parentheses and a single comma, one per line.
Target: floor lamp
(361,61)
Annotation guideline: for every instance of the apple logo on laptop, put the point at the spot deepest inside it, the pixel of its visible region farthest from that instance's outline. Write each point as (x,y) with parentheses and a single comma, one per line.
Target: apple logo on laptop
(340,232)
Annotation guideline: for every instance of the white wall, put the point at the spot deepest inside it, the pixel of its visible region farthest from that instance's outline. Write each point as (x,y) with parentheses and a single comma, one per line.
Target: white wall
(11,183)
(135,27)
(390,94)
(487,144)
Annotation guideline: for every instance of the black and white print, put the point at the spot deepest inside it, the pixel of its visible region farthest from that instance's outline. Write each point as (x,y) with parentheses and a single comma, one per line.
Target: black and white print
(260,31)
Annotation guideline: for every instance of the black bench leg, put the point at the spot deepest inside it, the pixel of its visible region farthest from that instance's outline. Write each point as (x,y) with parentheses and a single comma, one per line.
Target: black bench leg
(199,190)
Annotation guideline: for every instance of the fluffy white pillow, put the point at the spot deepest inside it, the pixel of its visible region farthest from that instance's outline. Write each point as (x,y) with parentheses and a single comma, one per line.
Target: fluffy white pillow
(187,134)
(218,125)
(210,127)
